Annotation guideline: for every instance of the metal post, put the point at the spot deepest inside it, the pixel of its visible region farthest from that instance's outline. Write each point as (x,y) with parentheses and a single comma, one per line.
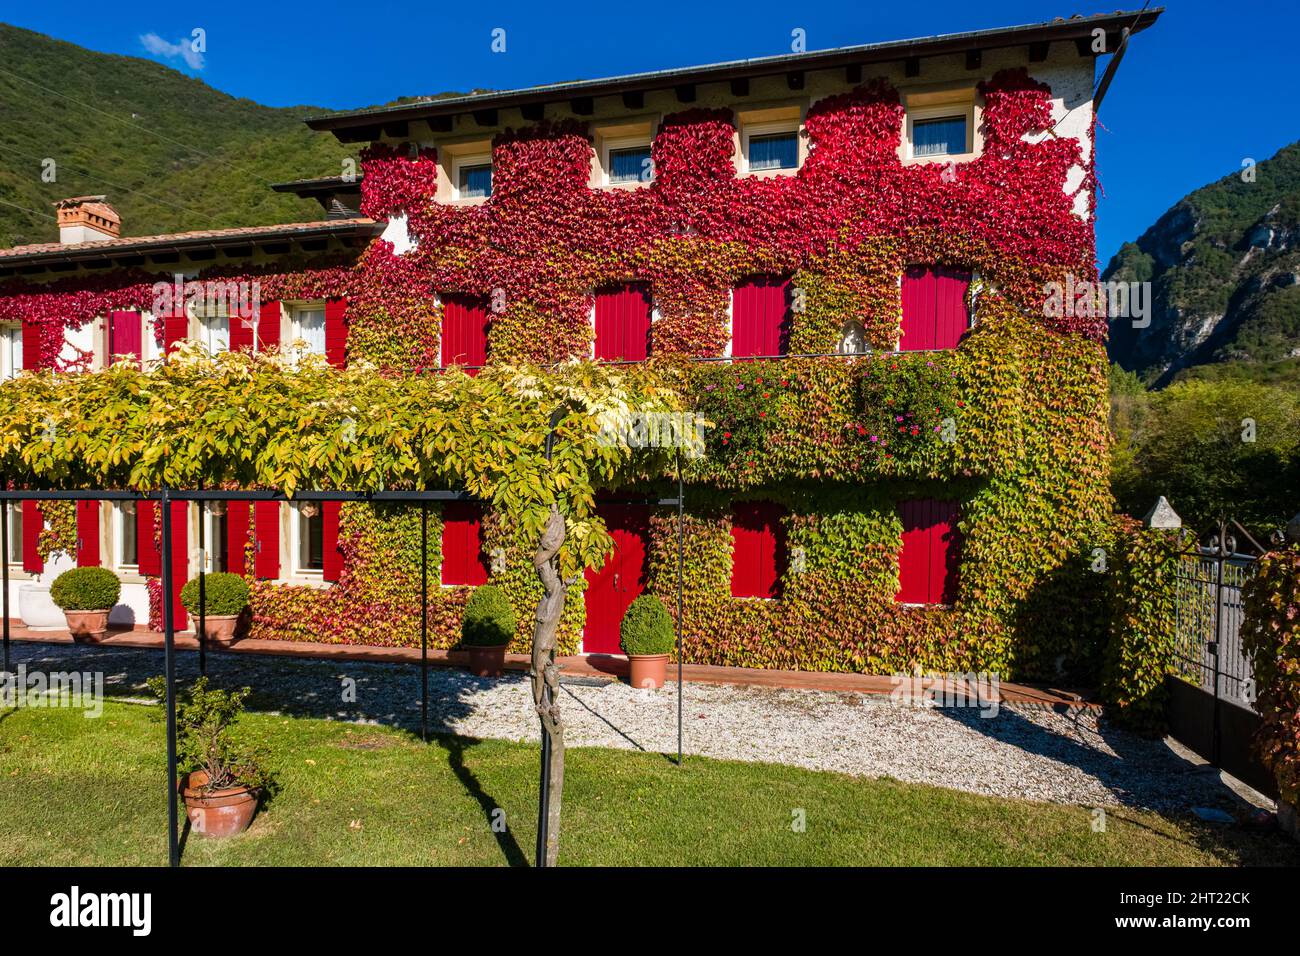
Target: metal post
(424,621)
(1220,558)
(681,546)
(4,570)
(544,787)
(169,639)
(203,592)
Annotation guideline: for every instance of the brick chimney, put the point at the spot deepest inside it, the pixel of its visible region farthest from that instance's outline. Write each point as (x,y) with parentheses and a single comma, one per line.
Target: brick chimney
(87,219)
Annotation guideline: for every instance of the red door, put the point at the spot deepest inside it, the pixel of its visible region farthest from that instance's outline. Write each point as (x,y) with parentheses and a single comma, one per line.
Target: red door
(623,324)
(760,318)
(464,331)
(617,584)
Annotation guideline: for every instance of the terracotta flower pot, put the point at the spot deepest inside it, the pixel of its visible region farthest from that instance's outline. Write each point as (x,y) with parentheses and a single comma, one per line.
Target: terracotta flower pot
(648,670)
(221,813)
(487,661)
(219,628)
(87,627)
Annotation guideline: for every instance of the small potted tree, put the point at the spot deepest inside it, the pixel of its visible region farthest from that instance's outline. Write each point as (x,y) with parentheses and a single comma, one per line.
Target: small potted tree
(86,595)
(646,634)
(487,629)
(225,597)
(221,779)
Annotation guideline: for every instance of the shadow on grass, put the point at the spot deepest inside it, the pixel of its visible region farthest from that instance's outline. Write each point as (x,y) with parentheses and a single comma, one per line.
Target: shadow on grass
(456,748)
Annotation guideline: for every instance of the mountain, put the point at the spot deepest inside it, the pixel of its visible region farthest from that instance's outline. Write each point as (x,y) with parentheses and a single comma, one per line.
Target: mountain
(1224,264)
(170,152)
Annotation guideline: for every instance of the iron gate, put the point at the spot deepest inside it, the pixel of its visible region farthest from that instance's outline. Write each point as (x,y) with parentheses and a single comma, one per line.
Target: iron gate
(1212,690)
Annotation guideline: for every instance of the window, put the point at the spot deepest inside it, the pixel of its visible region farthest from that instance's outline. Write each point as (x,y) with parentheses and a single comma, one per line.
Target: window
(125,536)
(760,317)
(11,351)
(462,544)
(630,164)
(927,558)
(944,136)
(216,538)
(215,331)
(15,542)
(941,125)
(308,538)
(935,315)
(309,327)
(758,552)
(622,321)
(774,151)
(474,179)
(769,141)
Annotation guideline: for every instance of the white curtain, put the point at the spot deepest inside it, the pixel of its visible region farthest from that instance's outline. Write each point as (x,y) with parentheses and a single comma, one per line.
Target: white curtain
(311,329)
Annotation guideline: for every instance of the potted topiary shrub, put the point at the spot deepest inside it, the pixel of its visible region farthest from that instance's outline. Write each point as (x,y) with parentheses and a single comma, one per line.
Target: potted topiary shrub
(225,598)
(221,780)
(487,629)
(647,638)
(86,595)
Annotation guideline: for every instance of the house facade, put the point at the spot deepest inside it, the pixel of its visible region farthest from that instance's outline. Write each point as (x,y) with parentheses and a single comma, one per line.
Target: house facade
(842,256)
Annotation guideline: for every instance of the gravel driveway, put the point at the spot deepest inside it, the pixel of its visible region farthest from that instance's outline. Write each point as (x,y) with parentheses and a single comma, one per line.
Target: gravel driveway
(1028,752)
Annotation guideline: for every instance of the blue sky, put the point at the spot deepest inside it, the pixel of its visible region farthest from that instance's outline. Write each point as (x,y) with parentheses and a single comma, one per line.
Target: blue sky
(1210,85)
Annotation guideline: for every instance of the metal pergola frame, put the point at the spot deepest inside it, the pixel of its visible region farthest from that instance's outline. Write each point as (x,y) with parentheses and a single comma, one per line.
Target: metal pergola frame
(165,496)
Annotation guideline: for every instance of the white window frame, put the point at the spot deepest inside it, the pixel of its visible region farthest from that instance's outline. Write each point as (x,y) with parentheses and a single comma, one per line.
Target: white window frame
(118,534)
(295,322)
(207,327)
(15,517)
(771,128)
(459,162)
(938,104)
(296,518)
(209,519)
(11,350)
(609,146)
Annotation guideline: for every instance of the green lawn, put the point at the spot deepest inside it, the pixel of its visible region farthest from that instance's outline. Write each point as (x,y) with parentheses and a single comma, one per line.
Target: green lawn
(78,791)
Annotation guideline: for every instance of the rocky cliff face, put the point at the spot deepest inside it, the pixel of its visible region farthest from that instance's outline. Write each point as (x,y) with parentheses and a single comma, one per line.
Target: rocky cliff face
(1224,264)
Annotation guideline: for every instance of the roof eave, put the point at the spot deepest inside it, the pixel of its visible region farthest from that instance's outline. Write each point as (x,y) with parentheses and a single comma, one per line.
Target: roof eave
(1057,30)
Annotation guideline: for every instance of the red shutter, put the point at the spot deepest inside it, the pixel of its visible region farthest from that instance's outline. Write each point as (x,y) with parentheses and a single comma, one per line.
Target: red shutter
(928,559)
(952,318)
(462,544)
(147,556)
(464,331)
(33,523)
(623,324)
(126,335)
(180,557)
(266,521)
(176,328)
(87,534)
(241,331)
(919,303)
(760,318)
(336,332)
(32,346)
(333,557)
(268,326)
(935,315)
(758,549)
(236,536)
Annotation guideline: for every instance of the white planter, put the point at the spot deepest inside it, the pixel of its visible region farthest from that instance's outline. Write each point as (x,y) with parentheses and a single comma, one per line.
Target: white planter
(34,604)
(36,608)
